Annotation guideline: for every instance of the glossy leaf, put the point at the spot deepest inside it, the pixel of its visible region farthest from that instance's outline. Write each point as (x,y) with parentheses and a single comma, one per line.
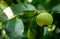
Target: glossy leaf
(21,8)
(15,10)
(56,8)
(14,28)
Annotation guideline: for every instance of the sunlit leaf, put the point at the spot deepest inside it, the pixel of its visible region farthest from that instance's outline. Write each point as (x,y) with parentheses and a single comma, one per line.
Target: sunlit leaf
(23,7)
(2,6)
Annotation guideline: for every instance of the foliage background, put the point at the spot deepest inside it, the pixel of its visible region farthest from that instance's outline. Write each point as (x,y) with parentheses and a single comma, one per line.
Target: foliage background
(23,24)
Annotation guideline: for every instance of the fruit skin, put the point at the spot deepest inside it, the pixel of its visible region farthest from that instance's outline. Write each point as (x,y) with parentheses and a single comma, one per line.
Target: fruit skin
(44,18)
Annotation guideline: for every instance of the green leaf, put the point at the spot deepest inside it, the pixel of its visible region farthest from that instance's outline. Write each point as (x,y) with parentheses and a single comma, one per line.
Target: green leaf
(37,2)
(29,14)
(57,30)
(1,37)
(17,8)
(40,7)
(56,8)
(34,31)
(19,27)
(14,28)
(2,6)
(54,3)
(56,13)
(18,37)
(3,17)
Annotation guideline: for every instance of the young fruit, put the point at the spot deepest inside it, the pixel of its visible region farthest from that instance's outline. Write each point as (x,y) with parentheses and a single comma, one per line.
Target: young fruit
(44,18)
(51,27)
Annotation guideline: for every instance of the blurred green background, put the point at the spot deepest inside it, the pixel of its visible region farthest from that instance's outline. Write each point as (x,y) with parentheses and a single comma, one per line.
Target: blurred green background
(23,24)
